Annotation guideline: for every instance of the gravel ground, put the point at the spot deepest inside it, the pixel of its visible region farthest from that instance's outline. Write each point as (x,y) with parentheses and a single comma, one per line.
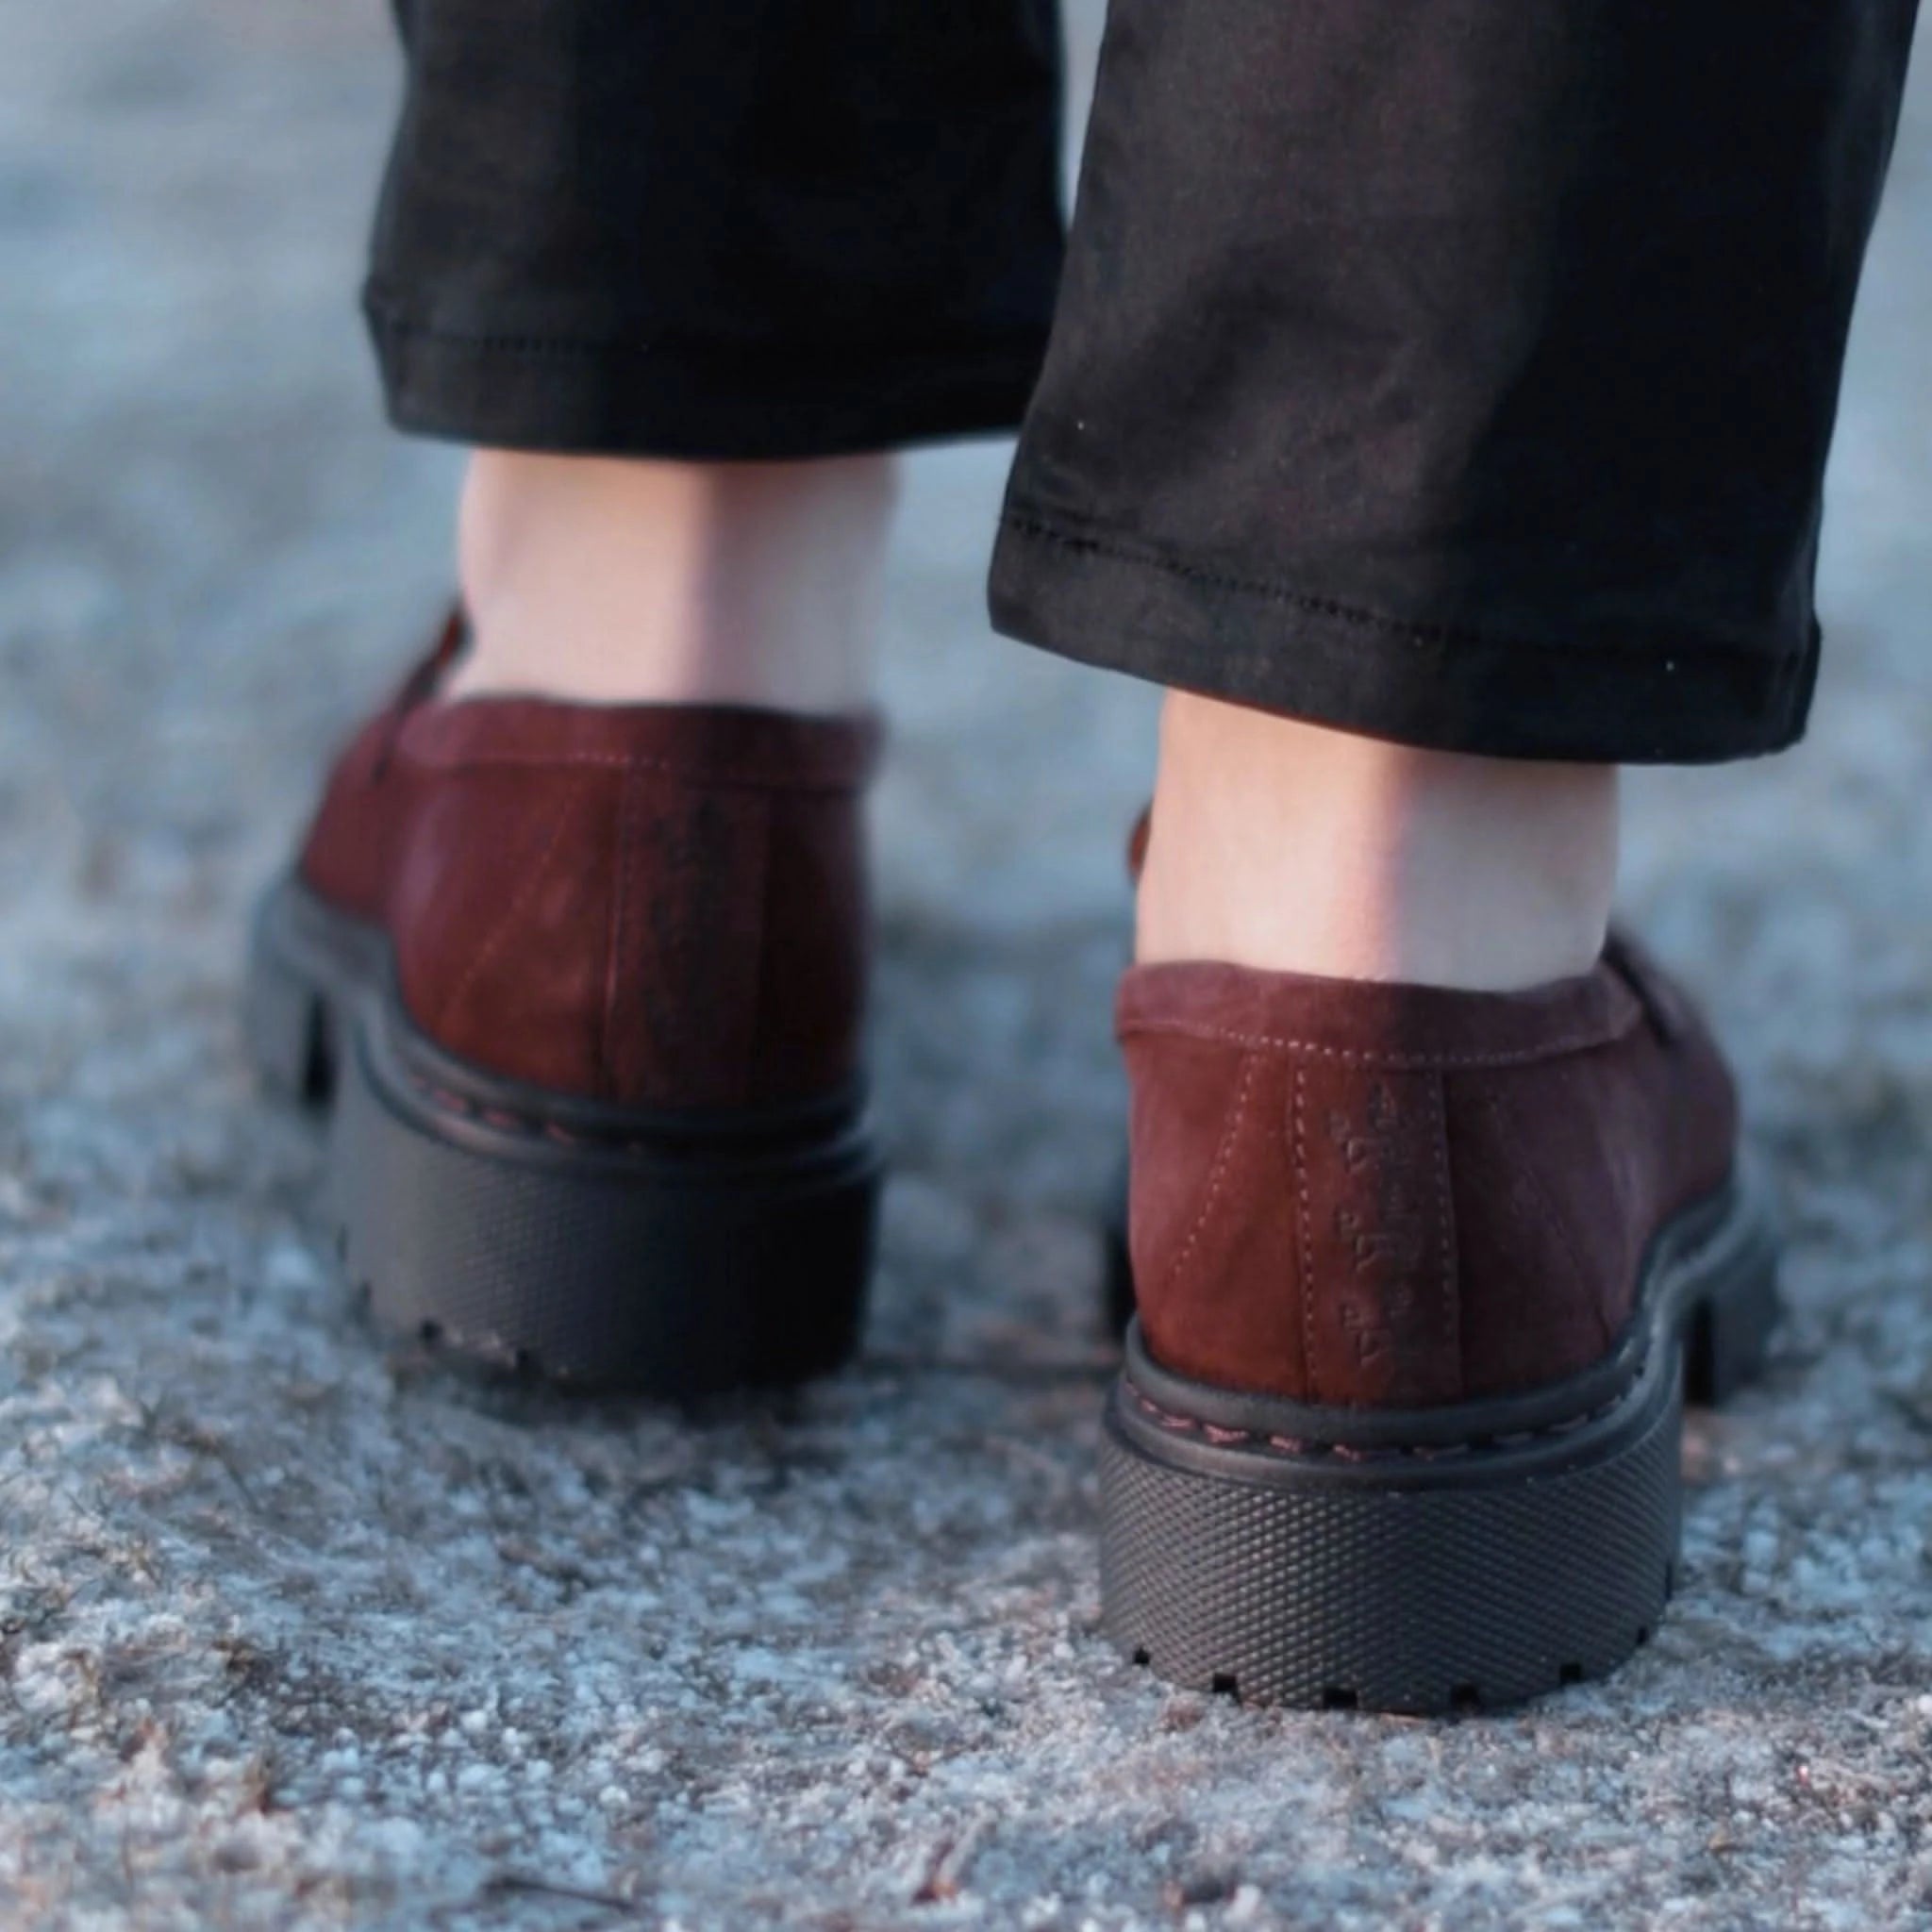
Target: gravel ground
(292,1634)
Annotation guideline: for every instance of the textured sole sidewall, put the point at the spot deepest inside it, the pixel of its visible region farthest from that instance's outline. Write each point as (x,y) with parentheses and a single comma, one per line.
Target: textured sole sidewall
(640,1277)
(1419,1597)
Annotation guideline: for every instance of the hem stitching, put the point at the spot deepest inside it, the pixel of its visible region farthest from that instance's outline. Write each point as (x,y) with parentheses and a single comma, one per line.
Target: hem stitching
(1417,633)
(1019,348)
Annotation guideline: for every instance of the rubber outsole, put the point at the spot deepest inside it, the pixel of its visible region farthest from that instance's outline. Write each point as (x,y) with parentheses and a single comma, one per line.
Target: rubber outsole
(1270,1558)
(528,1234)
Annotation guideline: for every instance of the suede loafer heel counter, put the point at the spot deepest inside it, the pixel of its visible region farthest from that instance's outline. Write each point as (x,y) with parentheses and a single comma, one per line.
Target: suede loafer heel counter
(1425,1280)
(586,986)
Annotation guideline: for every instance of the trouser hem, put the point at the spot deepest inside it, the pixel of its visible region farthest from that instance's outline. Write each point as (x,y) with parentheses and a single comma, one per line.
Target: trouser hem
(694,403)
(1681,698)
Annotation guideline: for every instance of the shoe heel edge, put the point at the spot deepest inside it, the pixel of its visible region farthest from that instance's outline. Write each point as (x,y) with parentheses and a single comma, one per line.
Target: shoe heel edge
(651,1282)
(1389,1596)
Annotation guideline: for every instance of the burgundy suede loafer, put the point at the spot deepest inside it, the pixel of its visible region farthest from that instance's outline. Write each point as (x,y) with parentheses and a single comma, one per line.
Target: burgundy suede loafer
(1423,1279)
(586,985)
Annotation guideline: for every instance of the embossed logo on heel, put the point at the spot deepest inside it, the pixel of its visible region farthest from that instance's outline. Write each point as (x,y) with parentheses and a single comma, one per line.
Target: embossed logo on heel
(1379,1301)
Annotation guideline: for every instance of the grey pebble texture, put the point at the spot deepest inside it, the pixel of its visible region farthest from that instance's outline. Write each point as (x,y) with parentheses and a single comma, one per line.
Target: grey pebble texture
(294,1633)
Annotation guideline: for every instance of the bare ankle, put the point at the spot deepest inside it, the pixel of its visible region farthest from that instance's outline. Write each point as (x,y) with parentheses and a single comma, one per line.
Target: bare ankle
(1285,847)
(721,583)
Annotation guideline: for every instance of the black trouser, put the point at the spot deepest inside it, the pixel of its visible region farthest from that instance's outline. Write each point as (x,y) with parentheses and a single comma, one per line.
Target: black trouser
(1457,371)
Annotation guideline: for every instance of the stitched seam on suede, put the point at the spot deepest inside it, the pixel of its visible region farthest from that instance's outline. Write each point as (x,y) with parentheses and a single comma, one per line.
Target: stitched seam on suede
(610,761)
(1395,1062)
(1224,1153)
(1503,1109)
(490,948)
(608,1074)
(1415,632)
(1305,1236)
(753,1033)
(1446,1209)
(1265,1442)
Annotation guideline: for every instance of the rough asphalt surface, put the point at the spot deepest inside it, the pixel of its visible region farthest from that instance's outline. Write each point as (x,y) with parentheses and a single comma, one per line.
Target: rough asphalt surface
(292,1634)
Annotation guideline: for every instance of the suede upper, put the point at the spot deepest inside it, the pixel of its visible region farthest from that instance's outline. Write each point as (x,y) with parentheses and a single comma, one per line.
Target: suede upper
(655,905)
(353,842)
(1356,1194)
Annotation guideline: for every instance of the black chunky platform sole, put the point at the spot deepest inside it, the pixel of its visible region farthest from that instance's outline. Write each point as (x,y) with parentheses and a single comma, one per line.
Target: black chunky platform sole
(569,1241)
(520,1231)
(1426,1562)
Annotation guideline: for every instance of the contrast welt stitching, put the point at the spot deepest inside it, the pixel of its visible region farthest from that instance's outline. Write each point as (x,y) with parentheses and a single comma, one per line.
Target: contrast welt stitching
(1395,1062)
(1348,613)
(1264,1441)
(1218,1172)
(528,1126)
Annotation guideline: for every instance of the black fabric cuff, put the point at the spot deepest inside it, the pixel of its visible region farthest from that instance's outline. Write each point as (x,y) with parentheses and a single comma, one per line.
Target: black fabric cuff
(1125,606)
(690,402)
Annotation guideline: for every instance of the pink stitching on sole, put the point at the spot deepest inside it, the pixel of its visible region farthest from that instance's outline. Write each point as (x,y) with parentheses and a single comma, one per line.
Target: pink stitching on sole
(1176,1424)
